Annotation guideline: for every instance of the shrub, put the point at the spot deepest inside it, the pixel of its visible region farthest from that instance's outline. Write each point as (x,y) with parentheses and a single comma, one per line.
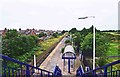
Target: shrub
(67,41)
(35,49)
(62,50)
(101,62)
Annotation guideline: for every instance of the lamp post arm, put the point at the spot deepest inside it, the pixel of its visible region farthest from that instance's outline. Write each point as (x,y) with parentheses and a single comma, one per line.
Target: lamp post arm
(86,17)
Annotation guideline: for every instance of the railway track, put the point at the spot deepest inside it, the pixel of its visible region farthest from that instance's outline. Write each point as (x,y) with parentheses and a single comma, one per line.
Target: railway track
(44,55)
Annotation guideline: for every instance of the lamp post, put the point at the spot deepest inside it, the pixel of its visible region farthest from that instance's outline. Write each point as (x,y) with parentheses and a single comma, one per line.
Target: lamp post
(93,39)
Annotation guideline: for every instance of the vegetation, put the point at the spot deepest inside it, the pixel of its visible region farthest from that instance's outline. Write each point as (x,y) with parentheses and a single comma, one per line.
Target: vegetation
(18,46)
(67,42)
(44,45)
(62,50)
(42,34)
(104,46)
(77,39)
(73,30)
(23,47)
(63,31)
(114,48)
(55,34)
(15,45)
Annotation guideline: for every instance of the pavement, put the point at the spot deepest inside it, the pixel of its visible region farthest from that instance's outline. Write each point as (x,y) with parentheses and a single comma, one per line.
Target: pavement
(55,58)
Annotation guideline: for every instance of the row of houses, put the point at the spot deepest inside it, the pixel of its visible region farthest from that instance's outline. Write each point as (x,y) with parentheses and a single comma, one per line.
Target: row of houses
(33,31)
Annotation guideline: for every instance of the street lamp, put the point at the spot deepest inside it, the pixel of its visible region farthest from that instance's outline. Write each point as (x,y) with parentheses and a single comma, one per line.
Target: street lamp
(93,39)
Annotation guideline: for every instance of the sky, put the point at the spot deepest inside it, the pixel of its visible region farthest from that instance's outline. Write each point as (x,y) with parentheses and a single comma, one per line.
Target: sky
(58,14)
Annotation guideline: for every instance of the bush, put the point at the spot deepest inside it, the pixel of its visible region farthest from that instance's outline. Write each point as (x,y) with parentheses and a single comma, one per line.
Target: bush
(67,41)
(101,62)
(55,35)
(42,34)
(62,50)
(35,49)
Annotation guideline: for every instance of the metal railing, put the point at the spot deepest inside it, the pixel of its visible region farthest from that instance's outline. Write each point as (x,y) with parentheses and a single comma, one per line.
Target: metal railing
(79,71)
(24,69)
(104,71)
(57,72)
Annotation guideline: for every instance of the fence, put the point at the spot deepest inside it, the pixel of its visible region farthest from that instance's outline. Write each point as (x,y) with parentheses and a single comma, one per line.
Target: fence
(23,70)
(106,71)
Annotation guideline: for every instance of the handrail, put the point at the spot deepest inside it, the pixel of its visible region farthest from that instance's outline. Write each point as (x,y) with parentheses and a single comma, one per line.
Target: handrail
(16,61)
(107,65)
(25,64)
(79,71)
(94,72)
(57,72)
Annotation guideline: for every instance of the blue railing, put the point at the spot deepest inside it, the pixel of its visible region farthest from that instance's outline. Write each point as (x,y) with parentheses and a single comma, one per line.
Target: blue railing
(57,72)
(24,70)
(104,71)
(79,71)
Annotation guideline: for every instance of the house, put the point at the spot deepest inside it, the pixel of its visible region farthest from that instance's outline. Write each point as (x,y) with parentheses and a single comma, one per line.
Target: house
(59,31)
(28,32)
(21,31)
(2,32)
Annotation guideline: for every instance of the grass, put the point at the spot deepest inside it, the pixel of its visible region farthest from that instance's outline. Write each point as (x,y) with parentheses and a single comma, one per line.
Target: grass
(44,45)
(113,33)
(113,51)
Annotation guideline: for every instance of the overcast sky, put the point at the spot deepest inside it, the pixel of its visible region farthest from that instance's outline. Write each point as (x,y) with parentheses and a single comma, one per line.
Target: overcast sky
(58,14)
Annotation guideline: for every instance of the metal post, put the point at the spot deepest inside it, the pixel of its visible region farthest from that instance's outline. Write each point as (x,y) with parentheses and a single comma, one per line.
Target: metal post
(64,65)
(68,65)
(74,65)
(27,71)
(48,74)
(111,70)
(8,72)
(35,63)
(105,72)
(93,39)
(1,56)
(93,47)
(4,71)
(13,72)
(21,70)
(41,75)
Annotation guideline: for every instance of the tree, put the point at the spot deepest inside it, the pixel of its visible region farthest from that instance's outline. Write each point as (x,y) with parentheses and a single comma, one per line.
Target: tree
(85,31)
(42,34)
(102,44)
(77,40)
(73,30)
(55,34)
(15,45)
(63,31)
(9,42)
(87,44)
(67,42)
